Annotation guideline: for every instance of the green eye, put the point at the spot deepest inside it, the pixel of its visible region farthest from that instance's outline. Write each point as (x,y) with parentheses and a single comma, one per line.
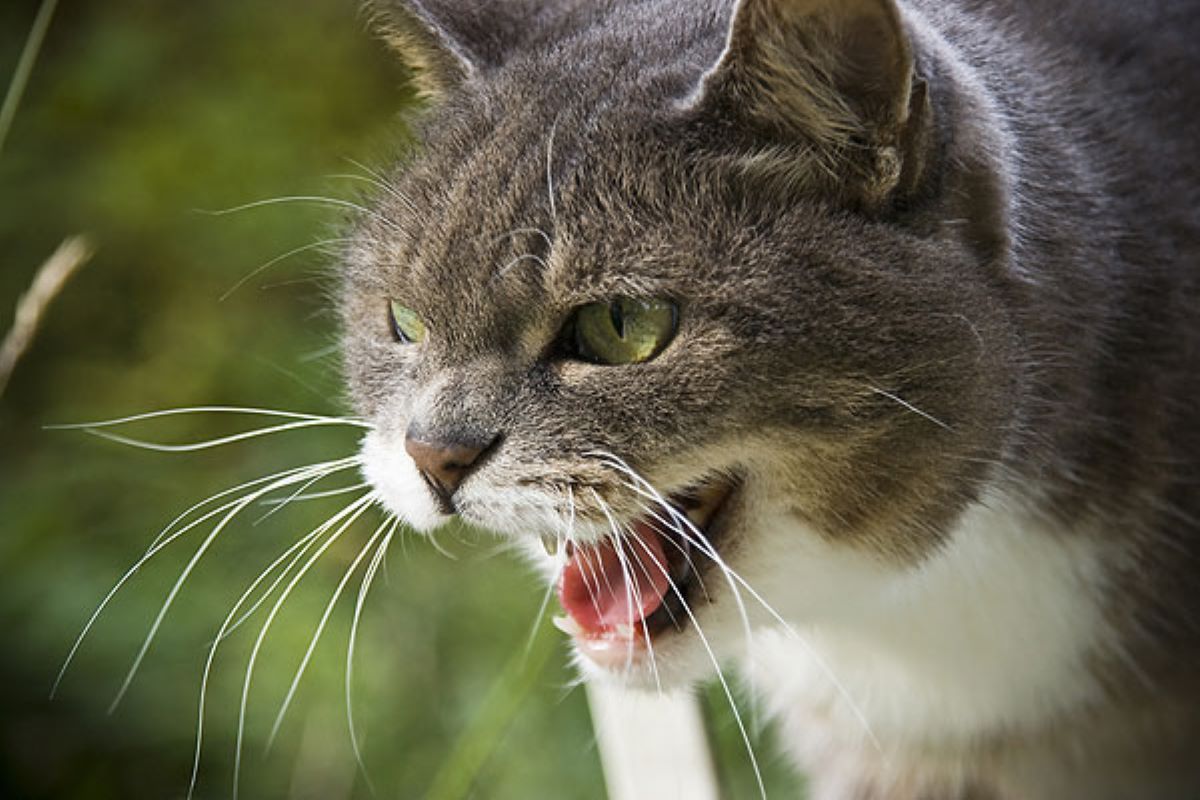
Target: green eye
(625,331)
(407,325)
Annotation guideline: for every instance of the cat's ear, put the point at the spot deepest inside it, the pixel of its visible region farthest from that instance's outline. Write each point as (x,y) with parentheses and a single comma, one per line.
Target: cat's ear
(832,79)
(443,42)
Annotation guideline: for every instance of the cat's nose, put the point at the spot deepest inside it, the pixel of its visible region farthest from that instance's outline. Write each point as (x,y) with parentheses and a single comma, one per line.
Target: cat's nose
(445,465)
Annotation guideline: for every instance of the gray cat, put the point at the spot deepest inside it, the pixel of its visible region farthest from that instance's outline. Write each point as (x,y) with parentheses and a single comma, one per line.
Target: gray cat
(854,340)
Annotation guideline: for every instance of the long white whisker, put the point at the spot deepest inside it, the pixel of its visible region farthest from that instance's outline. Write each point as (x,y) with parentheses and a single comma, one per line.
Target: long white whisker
(294,553)
(526,257)
(684,551)
(537,620)
(516,231)
(333,202)
(210,443)
(629,578)
(592,586)
(161,541)
(316,637)
(300,495)
(273,201)
(363,589)
(352,461)
(238,506)
(737,716)
(175,412)
(381,181)
(909,406)
(349,515)
(431,537)
(284,257)
(301,498)
(698,539)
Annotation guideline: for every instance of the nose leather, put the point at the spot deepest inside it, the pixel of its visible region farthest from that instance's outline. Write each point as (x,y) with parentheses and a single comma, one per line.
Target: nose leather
(445,465)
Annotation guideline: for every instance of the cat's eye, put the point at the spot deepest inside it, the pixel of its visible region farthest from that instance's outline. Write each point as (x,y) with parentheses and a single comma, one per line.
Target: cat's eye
(623,331)
(407,325)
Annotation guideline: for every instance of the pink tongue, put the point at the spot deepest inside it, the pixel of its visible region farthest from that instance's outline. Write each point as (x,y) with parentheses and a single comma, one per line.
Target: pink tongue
(601,588)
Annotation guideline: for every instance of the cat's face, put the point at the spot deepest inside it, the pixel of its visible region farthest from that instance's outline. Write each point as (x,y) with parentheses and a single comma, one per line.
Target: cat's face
(816,383)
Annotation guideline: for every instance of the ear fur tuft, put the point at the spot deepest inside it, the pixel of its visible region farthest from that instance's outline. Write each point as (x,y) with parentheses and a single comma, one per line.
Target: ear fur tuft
(437,61)
(834,78)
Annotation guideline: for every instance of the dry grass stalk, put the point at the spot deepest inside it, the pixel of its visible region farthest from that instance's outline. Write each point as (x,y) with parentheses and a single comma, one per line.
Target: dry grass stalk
(31,308)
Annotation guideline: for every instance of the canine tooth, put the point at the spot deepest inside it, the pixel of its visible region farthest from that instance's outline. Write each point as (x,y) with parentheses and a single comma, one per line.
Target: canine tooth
(550,543)
(625,631)
(567,625)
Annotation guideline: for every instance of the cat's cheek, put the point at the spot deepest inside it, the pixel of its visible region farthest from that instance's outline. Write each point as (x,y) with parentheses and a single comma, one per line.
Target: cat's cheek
(392,472)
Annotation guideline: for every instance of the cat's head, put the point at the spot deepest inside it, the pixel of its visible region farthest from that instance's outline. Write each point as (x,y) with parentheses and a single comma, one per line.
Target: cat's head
(712,280)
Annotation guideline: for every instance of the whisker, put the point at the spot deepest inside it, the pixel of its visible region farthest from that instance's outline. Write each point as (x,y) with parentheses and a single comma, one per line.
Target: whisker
(316,637)
(537,620)
(174,412)
(350,515)
(187,571)
(332,202)
(295,553)
(526,257)
(348,462)
(277,259)
(302,498)
(160,542)
(909,406)
(560,557)
(698,539)
(518,231)
(645,628)
(209,443)
(737,716)
(684,551)
(612,524)
(363,589)
(272,201)
(629,577)
(431,537)
(380,180)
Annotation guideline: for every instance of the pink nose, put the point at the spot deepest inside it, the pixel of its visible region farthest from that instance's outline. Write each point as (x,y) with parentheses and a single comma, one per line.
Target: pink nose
(444,465)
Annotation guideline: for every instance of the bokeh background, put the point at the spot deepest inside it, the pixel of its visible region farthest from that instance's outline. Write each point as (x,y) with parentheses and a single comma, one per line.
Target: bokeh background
(140,115)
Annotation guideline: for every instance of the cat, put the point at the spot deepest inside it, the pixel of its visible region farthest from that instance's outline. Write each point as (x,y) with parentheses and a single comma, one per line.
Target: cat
(855,341)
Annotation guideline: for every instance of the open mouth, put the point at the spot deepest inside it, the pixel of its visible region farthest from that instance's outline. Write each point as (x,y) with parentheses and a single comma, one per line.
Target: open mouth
(622,593)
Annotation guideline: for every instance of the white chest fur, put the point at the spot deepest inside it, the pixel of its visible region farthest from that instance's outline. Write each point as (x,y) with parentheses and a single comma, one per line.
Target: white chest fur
(993,633)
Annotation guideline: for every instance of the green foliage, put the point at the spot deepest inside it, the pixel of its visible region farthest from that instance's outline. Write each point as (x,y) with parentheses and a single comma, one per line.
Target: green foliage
(138,113)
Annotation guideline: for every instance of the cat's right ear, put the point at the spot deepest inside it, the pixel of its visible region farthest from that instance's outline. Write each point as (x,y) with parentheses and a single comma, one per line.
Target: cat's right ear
(832,82)
(427,41)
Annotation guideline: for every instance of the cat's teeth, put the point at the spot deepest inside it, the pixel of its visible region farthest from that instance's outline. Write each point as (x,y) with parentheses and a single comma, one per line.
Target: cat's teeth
(568,626)
(550,543)
(624,631)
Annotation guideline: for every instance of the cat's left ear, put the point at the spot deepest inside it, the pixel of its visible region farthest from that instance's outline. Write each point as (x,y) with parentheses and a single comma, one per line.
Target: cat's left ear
(447,42)
(833,80)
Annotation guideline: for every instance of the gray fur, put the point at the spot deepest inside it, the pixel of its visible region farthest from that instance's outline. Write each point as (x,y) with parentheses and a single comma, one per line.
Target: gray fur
(1025,271)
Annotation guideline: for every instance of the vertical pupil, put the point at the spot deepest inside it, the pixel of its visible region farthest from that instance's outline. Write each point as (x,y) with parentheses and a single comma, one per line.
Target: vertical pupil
(618,318)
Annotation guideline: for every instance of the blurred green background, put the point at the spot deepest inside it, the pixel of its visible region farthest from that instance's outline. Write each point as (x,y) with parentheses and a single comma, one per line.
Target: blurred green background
(139,113)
